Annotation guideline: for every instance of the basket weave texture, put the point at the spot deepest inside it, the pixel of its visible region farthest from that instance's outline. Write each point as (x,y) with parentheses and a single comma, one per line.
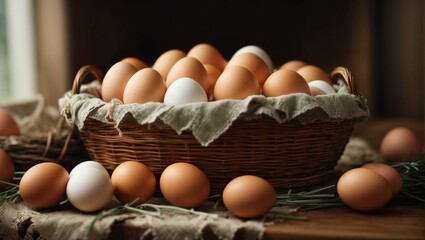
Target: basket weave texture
(288,154)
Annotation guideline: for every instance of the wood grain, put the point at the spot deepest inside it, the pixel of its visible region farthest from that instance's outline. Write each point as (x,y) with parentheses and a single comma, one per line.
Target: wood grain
(392,222)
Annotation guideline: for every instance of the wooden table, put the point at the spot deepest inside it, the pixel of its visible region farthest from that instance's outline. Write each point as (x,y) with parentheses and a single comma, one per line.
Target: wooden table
(392,222)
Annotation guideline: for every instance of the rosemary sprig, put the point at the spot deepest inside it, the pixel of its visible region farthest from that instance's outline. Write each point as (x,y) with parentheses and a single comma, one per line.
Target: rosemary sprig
(308,200)
(413,176)
(11,193)
(149,209)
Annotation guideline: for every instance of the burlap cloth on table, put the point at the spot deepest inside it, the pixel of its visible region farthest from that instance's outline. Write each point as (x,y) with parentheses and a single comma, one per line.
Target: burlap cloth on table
(18,221)
(207,121)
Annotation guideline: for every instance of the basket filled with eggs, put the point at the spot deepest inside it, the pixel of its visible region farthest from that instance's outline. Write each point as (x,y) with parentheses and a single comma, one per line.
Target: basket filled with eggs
(229,118)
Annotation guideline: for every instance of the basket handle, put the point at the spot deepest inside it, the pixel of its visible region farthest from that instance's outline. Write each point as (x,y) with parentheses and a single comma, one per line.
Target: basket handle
(76,86)
(82,74)
(343,72)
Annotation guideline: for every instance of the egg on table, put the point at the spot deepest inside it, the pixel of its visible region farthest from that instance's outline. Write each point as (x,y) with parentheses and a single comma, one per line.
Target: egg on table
(249,196)
(7,169)
(44,185)
(184,185)
(8,125)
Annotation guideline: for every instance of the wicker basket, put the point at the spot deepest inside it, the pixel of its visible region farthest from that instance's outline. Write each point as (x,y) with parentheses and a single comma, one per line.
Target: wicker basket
(288,155)
(27,151)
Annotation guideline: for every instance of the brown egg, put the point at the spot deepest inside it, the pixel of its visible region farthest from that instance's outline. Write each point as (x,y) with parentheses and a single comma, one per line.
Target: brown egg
(137,63)
(7,169)
(236,82)
(311,73)
(293,65)
(44,185)
(363,189)
(191,68)
(207,54)
(8,125)
(166,61)
(389,173)
(184,185)
(285,81)
(115,81)
(132,180)
(146,85)
(401,144)
(253,63)
(249,196)
(213,74)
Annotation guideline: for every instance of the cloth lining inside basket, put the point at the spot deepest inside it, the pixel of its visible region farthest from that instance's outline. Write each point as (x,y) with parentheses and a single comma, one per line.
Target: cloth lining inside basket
(208,120)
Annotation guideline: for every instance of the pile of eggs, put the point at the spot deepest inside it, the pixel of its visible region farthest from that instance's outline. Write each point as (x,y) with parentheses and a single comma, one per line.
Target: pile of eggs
(90,188)
(202,75)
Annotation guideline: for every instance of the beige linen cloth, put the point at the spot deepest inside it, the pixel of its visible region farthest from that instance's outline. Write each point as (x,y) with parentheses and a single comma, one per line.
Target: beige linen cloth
(207,121)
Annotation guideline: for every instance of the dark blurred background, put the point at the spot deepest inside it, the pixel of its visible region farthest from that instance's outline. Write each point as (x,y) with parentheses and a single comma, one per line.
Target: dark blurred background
(380,41)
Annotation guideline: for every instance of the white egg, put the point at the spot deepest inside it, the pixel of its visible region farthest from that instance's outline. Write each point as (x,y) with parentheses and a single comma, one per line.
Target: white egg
(322,85)
(89,190)
(185,90)
(259,52)
(88,164)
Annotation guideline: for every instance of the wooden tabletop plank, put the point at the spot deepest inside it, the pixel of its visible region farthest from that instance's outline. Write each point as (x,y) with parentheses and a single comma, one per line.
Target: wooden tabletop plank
(392,222)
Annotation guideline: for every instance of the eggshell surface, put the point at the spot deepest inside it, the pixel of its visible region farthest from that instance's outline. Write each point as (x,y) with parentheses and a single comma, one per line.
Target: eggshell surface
(364,190)
(8,125)
(285,81)
(7,169)
(311,73)
(115,81)
(253,63)
(165,62)
(146,85)
(401,144)
(132,180)
(249,196)
(235,82)
(88,164)
(44,185)
(189,67)
(389,173)
(207,54)
(183,91)
(184,185)
(89,190)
